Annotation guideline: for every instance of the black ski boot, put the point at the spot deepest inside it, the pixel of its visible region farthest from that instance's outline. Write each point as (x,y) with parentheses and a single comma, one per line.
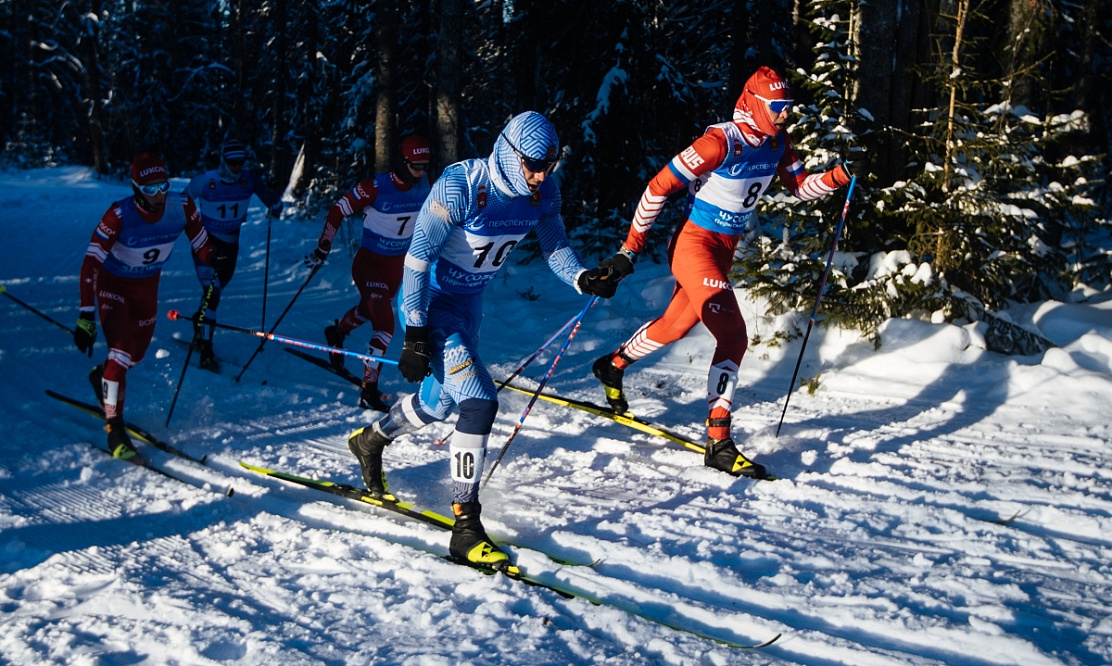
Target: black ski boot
(370,398)
(722,454)
(611,379)
(119,443)
(206,359)
(470,542)
(335,338)
(367,445)
(95,377)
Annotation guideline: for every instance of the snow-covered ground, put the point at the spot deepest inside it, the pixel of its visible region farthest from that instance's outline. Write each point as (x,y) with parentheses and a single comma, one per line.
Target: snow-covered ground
(881,544)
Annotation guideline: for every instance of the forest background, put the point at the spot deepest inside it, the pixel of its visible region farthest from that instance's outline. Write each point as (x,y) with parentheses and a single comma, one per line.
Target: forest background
(988,121)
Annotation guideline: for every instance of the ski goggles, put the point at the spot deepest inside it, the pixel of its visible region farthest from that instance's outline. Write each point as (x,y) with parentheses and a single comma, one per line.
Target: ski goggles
(154,188)
(776,106)
(536,165)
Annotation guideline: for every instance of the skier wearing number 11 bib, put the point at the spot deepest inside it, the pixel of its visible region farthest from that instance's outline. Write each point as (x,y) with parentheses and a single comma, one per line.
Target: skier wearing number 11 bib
(389,203)
(725,172)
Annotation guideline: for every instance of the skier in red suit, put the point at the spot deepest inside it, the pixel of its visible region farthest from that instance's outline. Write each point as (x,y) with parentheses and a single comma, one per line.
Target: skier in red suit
(388,203)
(725,172)
(119,279)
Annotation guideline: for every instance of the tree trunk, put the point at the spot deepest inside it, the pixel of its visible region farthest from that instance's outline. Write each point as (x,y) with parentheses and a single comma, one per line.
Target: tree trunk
(448,82)
(278,94)
(386,126)
(952,84)
(93,94)
(1024,34)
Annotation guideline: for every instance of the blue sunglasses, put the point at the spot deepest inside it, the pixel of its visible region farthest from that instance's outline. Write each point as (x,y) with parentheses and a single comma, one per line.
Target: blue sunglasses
(156,188)
(776,106)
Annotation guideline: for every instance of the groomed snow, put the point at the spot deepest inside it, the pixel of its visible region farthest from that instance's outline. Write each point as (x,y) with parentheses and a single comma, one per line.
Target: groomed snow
(880,544)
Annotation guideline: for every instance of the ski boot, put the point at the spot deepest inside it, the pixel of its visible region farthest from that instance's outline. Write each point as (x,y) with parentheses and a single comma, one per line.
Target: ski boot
(366,444)
(335,338)
(207,359)
(119,443)
(470,542)
(722,454)
(370,398)
(95,377)
(611,379)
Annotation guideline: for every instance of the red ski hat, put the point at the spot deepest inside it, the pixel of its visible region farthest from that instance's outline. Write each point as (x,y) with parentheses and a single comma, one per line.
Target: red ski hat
(149,169)
(415,149)
(763,88)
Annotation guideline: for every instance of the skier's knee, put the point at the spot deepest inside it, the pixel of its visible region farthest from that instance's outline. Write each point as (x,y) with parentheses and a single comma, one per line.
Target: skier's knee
(476,416)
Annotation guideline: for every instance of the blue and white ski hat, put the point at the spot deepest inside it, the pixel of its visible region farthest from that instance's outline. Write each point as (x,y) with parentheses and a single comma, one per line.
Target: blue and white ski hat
(535,137)
(233,151)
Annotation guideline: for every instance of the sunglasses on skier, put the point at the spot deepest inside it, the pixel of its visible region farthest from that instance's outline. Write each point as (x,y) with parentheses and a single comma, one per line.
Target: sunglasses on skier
(417,166)
(155,188)
(531,163)
(776,106)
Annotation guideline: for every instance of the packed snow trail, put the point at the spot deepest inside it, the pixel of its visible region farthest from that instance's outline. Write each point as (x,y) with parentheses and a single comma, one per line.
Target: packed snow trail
(880,544)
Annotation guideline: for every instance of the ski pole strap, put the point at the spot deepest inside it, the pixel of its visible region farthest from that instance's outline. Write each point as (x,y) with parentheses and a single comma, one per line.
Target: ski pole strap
(536,394)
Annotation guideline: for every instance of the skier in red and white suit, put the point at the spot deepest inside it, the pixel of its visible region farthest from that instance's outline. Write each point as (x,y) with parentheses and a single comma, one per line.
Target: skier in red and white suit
(389,203)
(119,279)
(725,172)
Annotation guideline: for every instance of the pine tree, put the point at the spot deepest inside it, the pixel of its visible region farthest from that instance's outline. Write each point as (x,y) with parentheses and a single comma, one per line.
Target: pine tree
(784,265)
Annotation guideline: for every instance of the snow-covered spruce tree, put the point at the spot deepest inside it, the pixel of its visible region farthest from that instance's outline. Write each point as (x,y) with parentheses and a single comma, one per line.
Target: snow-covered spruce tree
(784,264)
(985,213)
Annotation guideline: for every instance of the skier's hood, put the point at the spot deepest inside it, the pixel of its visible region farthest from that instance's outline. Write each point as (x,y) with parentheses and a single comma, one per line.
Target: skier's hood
(535,137)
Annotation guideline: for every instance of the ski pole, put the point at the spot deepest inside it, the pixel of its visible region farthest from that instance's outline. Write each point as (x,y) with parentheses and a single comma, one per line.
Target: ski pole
(175,315)
(266,266)
(192,344)
(533,400)
(279,321)
(540,350)
(818,299)
(4,290)
(181,378)
(520,369)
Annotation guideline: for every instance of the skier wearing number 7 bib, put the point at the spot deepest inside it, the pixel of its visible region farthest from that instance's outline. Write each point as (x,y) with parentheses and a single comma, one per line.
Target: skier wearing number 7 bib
(389,203)
(725,172)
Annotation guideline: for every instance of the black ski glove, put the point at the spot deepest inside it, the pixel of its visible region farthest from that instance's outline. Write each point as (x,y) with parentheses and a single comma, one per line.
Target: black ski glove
(621,264)
(858,164)
(315,259)
(416,352)
(86,333)
(603,281)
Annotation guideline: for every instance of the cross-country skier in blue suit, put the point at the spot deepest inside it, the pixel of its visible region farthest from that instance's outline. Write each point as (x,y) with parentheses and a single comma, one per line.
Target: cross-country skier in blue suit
(476,213)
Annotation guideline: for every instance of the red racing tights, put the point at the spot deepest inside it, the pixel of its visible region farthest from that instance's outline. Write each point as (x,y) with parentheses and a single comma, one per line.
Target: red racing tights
(128,310)
(701,261)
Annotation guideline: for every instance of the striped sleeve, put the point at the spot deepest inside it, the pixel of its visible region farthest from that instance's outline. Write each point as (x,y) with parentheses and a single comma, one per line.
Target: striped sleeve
(704,155)
(353,201)
(104,237)
(195,231)
(807,186)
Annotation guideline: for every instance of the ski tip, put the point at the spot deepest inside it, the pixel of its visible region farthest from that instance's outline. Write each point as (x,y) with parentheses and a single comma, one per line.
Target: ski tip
(766,643)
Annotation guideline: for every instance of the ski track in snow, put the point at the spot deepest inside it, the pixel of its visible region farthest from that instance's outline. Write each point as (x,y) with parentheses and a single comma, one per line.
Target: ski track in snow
(938,504)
